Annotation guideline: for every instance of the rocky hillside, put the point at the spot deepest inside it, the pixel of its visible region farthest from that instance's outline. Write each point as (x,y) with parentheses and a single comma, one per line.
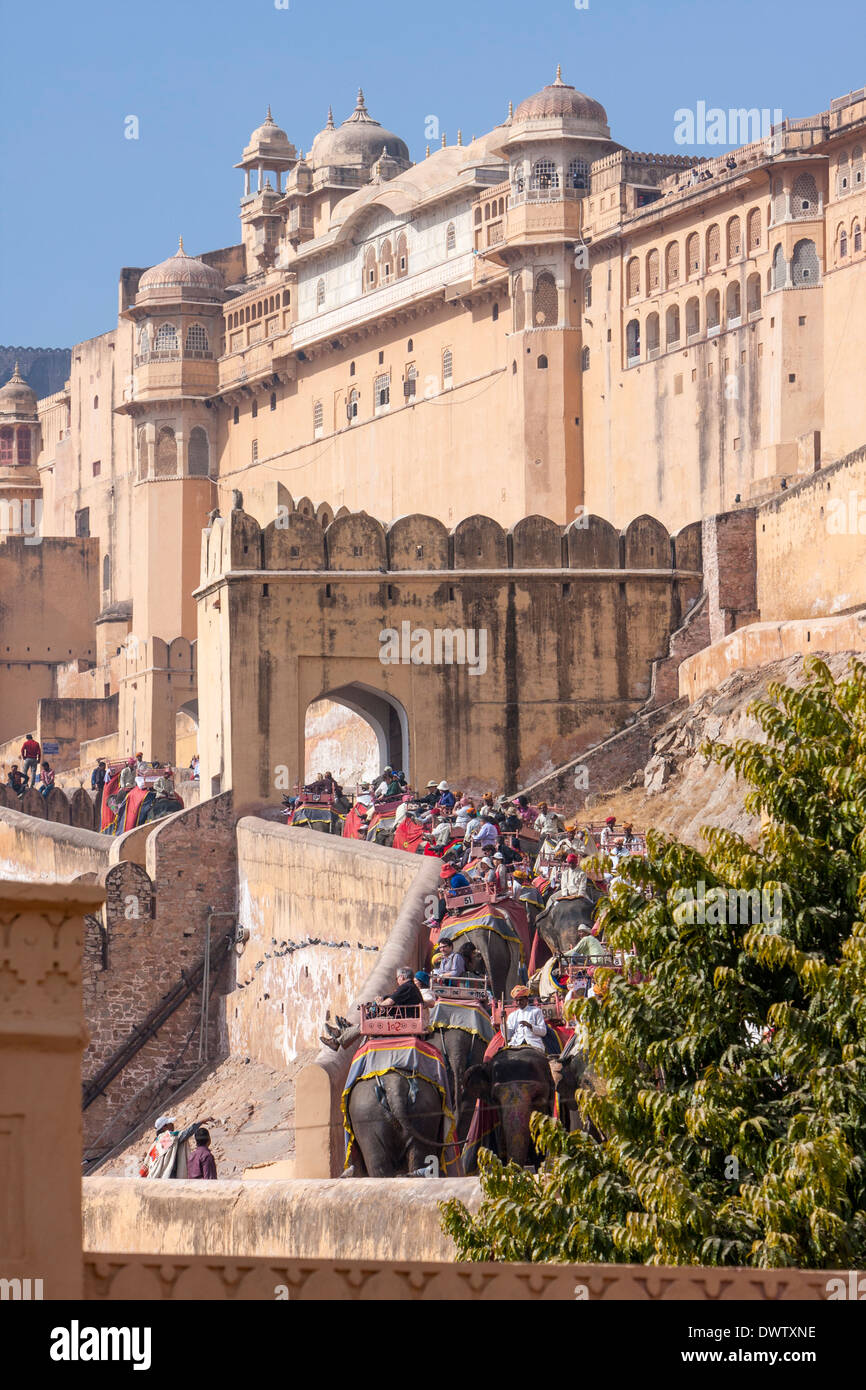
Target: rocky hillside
(678,790)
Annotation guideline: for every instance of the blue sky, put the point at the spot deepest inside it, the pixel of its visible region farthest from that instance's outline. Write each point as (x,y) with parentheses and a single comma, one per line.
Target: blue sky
(80,201)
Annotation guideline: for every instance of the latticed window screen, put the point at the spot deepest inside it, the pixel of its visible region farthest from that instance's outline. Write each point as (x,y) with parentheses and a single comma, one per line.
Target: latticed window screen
(672,268)
(382,389)
(166,453)
(734,238)
(544,174)
(652,271)
(714,245)
(804,266)
(584,359)
(578,173)
(447,365)
(843,176)
(320,294)
(7,444)
(778,201)
(545,309)
(196,338)
(778,268)
(693,253)
(754,229)
(144,341)
(318,415)
(632,277)
(166,338)
(198,452)
(411,382)
(450,237)
(804,196)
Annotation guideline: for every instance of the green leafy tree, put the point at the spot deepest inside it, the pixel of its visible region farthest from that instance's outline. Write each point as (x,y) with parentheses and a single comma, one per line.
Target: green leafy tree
(729,1060)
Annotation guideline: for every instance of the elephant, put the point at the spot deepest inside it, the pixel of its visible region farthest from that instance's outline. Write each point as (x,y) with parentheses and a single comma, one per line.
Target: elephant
(572,1072)
(461,1050)
(397,1123)
(517,1081)
(561,920)
(501,956)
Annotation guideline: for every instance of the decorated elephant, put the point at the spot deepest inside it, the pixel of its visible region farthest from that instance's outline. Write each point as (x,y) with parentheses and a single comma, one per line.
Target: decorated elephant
(516,1082)
(462,1030)
(397,1110)
(562,919)
(493,935)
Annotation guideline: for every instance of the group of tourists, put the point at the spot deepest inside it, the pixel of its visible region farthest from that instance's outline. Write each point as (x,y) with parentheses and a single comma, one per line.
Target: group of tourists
(34,771)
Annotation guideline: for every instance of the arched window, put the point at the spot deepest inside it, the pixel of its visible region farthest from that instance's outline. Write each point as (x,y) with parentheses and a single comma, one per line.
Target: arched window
(578,173)
(166,453)
(632,340)
(517,178)
(320,294)
(714,305)
(24,444)
(714,245)
(542,362)
(166,338)
(273,400)
(857,167)
(545,303)
(254,408)
(478,216)
(318,419)
(545,175)
(106,572)
(841,243)
(486,212)
(410,384)
(447,367)
(199,453)
(371,269)
(735,244)
(652,333)
(754,229)
(856,237)
(95,402)
(753,293)
(352,407)
(450,237)
(382,391)
(693,254)
(196,338)
(804,264)
(584,359)
(141,444)
(518,304)
(386,260)
(672,263)
(632,278)
(779,268)
(779,206)
(7,444)
(402,256)
(733,308)
(653,271)
(693,317)
(804,196)
(843,178)
(144,340)
(587,290)
(672,326)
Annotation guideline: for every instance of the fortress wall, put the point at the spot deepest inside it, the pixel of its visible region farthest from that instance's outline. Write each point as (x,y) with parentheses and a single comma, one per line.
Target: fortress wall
(297,884)
(363,1219)
(42,850)
(760,643)
(811,544)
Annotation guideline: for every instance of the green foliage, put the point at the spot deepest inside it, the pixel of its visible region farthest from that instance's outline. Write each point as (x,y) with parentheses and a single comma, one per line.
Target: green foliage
(732,1099)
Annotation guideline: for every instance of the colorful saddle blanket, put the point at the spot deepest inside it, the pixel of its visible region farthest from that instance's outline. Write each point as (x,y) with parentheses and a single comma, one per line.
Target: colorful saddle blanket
(485,919)
(461,1013)
(413,1058)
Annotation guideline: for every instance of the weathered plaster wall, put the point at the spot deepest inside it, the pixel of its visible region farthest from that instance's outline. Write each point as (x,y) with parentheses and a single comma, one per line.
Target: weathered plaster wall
(760,643)
(295,885)
(33,850)
(360,1219)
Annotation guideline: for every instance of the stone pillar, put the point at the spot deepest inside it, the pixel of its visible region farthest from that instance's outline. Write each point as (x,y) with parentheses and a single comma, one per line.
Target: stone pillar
(42,1037)
(729,548)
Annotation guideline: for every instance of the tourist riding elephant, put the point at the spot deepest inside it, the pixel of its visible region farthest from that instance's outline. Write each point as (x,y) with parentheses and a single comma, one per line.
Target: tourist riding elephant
(518,1081)
(397,1123)
(560,922)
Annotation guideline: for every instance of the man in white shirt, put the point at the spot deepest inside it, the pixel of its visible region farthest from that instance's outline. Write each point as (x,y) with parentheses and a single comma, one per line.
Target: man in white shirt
(525,1025)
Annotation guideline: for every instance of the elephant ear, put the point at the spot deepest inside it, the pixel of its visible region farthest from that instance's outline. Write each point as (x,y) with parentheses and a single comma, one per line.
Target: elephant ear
(476,1082)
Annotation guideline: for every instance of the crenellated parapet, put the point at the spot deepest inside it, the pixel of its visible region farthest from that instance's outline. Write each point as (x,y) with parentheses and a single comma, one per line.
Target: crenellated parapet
(305,539)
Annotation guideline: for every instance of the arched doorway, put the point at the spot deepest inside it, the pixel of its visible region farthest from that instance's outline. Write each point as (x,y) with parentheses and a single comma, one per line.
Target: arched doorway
(354,731)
